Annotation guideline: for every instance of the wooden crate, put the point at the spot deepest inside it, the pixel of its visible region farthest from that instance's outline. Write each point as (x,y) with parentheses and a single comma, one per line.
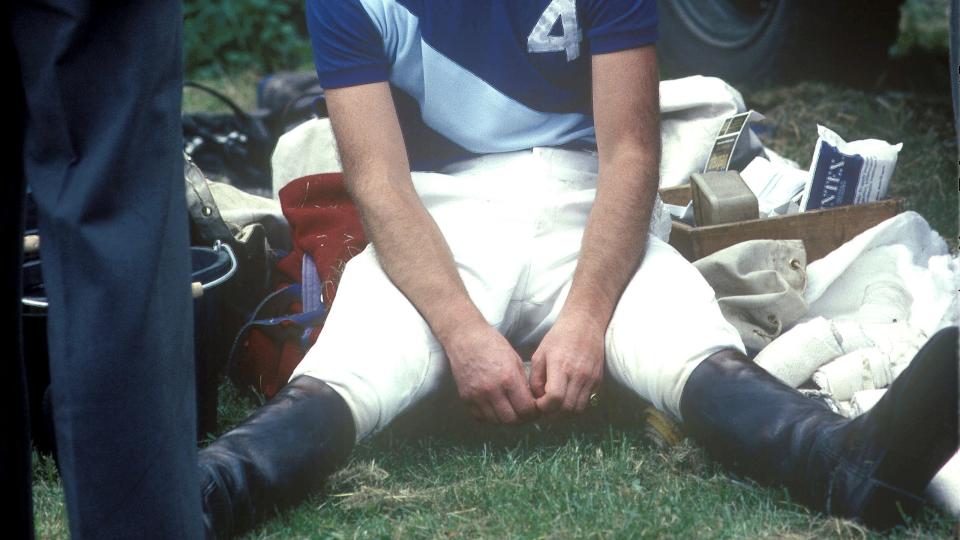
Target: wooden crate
(822,231)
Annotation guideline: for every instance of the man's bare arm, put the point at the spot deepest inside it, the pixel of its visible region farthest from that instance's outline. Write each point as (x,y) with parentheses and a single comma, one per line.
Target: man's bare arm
(568,365)
(416,257)
(626,109)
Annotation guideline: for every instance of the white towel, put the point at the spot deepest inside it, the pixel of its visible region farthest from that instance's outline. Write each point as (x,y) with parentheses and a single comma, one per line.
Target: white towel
(886,300)
(864,400)
(309,148)
(903,245)
(692,110)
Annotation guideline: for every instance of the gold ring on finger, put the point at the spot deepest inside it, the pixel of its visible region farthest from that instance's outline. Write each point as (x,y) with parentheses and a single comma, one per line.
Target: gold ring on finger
(594,399)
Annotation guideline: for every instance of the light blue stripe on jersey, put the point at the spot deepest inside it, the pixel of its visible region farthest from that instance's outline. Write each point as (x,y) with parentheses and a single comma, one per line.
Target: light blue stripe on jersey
(479,118)
(458,104)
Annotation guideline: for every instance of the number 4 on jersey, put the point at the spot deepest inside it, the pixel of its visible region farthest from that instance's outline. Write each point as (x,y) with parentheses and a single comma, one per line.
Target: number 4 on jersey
(541,40)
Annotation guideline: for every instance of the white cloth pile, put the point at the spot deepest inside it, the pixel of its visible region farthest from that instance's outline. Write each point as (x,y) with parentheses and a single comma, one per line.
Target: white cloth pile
(873,303)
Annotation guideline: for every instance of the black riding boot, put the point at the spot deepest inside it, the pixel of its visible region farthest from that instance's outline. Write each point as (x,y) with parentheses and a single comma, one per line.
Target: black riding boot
(276,457)
(869,468)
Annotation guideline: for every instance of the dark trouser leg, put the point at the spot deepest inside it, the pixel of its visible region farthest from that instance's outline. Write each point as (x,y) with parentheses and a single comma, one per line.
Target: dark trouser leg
(102,147)
(869,468)
(15,421)
(276,457)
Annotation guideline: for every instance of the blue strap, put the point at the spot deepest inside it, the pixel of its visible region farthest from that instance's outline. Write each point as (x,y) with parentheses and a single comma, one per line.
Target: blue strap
(311,293)
(271,317)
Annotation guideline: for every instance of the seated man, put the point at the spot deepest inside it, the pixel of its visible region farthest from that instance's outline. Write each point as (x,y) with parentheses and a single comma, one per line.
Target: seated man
(535,239)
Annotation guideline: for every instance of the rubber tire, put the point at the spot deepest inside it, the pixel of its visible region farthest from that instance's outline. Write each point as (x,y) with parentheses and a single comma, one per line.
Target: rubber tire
(799,39)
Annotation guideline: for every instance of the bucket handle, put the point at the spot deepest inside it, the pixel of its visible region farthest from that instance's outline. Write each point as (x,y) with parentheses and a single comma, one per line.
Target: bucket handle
(197,288)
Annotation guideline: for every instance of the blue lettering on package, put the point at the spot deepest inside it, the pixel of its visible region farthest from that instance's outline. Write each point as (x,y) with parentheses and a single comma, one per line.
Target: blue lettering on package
(835,178)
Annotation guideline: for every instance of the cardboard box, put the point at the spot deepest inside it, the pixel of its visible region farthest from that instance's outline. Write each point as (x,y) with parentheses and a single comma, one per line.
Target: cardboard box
(822,231)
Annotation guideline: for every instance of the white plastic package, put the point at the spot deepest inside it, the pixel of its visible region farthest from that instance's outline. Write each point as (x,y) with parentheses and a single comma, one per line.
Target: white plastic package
(843,173)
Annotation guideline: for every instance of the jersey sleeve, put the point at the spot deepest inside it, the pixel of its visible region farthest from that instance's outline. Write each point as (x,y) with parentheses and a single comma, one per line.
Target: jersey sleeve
(614,25)
(347,47)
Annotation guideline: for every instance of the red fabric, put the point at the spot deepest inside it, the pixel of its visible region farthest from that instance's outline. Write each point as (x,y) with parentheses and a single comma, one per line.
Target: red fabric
(324,223)
(259,363)
(266,361)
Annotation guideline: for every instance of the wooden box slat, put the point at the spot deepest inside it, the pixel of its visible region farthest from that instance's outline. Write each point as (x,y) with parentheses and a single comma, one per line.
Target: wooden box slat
(822,231)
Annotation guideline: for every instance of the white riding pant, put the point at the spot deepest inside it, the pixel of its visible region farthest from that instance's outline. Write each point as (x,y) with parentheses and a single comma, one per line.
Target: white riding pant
(514,223)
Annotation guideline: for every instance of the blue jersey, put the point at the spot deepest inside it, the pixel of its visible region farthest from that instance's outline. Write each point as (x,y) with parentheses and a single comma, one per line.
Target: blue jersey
(477,76)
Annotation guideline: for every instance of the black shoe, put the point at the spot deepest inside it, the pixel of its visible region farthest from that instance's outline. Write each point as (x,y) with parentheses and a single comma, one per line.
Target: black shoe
(275,458)
(873,468)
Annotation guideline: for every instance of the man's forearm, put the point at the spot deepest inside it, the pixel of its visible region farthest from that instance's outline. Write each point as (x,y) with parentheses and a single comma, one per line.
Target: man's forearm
(626,113)
(615,237)
(411,249)
(567,367)
(414,254)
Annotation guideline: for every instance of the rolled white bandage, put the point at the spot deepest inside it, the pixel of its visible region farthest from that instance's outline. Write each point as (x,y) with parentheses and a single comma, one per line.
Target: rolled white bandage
(795,356)
(899,340)
(863,369)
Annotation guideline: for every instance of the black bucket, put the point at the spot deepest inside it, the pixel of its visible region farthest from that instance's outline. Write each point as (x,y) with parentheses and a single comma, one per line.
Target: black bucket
(35,356)
(211,268)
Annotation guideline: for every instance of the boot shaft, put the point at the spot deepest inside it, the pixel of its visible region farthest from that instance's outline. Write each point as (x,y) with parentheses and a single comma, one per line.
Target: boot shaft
(276,457)
(869,468)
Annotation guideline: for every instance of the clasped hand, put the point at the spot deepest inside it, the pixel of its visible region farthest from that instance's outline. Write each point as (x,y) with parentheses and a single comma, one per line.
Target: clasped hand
(565,369)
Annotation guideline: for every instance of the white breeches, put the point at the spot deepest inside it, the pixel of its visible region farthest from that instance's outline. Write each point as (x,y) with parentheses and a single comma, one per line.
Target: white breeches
(514,224)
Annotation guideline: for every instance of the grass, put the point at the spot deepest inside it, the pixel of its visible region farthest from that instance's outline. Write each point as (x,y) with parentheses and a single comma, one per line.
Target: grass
(592,483)
(49,513)
(239,87)
(597,476)
(594,478)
